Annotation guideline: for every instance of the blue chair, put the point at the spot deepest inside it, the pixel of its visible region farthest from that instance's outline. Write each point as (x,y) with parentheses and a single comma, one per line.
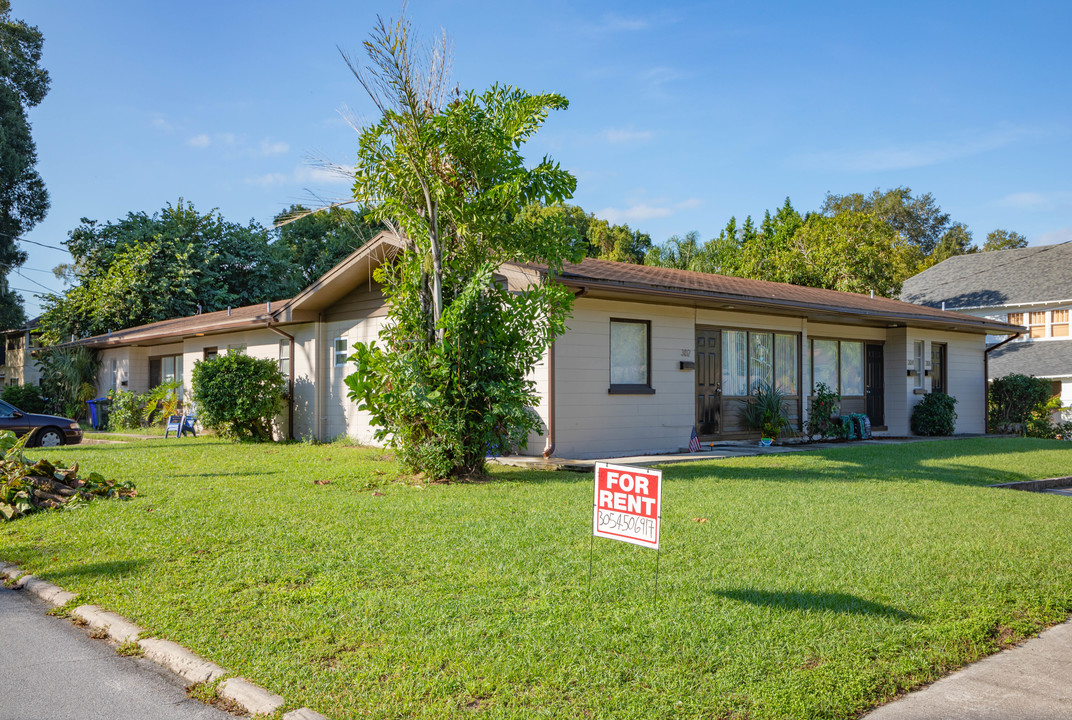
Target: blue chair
(174,423)
(189,423)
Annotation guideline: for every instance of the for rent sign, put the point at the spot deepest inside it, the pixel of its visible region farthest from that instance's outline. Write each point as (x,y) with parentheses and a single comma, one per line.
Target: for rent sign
(627,504)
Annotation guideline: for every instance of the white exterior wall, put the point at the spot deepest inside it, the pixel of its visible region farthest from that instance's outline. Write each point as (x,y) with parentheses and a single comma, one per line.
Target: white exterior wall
(964,375)
(339,415)
(590,422)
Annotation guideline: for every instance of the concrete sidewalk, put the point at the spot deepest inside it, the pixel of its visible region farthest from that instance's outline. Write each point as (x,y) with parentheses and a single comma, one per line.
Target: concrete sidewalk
(1032,681)
(52,670)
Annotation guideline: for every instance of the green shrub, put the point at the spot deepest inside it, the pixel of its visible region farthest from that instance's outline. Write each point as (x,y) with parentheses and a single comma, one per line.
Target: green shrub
(934,415)
(27,398)
(68,378)
(1014,399)
(238,396)
(767,411)
(124,410)
(822,419)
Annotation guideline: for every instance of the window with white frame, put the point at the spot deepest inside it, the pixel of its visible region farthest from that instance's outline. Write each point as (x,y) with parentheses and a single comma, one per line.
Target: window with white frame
(917,363)
(284,358)
(1059,323)
(340,348)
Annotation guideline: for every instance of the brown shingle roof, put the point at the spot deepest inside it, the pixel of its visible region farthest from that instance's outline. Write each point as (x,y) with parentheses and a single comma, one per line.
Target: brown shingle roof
(240,318)
(657,280)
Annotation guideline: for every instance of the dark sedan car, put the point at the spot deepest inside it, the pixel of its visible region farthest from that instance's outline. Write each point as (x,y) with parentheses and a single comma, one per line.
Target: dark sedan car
(47,430)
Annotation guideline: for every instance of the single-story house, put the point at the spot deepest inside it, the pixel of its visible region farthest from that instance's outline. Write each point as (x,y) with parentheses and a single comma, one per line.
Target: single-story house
(649,353)
(1030,287)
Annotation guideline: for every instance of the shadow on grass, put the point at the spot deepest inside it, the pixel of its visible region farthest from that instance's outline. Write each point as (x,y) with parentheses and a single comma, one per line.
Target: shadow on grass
(113,568)
(947,461)
(832,602)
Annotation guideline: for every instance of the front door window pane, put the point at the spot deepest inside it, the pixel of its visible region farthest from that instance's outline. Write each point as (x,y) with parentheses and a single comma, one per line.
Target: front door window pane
(735,363)
(761,367)
(852,368)
(824,364)
(785,363)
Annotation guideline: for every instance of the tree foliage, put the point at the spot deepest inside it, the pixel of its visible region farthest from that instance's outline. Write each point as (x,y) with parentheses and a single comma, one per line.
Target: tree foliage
(238,396)
(68,377)
(446,175)
(856,242)
(143,268)
(308,244)
(1004,240)
(23,198)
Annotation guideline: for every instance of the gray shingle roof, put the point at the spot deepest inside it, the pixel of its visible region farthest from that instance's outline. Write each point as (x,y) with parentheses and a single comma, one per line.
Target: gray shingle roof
(1049,358)
(1003,277)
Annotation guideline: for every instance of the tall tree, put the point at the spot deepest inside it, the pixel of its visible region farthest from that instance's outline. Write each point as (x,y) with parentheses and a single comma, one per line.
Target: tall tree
(446,175)
(1004,240)
(144,268)
(919,220)
(23,198)
(956,240)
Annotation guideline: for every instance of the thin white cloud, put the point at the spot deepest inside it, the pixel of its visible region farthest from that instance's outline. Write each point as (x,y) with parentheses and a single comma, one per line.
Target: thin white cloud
(1054,236)
(318,174)
(640,211)
(269,180)
(1037,200)
(199,141)
(613,22)
(274,148)
(916,155)
(160,122)
(620,136)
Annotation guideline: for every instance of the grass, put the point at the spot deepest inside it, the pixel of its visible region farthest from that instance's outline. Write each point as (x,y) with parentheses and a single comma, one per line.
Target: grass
(821,584)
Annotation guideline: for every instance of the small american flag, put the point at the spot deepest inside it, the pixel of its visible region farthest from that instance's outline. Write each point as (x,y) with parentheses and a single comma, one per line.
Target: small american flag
(694,441)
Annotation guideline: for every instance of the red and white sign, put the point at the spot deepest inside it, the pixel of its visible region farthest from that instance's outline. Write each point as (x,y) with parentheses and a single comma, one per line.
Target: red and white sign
(627,504)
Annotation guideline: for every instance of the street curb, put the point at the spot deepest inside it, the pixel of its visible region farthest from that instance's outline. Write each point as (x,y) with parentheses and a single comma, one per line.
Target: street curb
(118,627)
(172,656)
(52,594)
(181,661)
(256,700)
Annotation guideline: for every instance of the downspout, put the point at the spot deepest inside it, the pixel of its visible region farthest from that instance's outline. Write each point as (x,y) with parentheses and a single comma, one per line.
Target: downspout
(290,377)
(549,447)
(986,380)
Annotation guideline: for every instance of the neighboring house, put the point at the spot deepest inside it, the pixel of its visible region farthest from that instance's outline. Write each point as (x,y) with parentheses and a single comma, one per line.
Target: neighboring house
(17,366)
(648,354)
(1031,287)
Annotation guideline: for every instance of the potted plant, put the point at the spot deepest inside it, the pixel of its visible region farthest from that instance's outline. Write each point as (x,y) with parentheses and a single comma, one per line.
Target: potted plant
(767,412)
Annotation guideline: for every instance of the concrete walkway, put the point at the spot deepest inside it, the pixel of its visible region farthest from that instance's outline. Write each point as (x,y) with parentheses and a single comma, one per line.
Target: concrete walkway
(1032,681)
(51,669)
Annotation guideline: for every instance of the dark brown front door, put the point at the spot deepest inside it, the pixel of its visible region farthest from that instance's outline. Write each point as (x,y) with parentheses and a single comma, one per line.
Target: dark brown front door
(875,389)
(708,382)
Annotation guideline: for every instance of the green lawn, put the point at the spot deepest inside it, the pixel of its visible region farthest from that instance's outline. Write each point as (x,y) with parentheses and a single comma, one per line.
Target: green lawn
(822,584)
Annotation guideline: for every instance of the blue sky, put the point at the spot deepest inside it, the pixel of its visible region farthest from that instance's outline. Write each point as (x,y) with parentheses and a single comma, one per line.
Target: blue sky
(681,114)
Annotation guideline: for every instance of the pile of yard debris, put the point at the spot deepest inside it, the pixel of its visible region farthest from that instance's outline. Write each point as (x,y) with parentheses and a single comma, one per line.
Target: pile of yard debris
(27,486)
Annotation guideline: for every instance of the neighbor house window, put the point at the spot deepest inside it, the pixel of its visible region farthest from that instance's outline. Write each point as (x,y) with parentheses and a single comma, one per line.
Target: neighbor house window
(340,351)
(1059,326)
(284,358)
(1036,325)
(838,364)
(630,357)
(165,369)
(938,379)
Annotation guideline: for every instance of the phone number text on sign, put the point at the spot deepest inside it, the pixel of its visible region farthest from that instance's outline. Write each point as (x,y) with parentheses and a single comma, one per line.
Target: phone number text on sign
(627,504)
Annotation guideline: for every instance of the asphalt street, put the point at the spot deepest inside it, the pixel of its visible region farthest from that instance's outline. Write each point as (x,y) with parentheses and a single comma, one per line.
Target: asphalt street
(50,669)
